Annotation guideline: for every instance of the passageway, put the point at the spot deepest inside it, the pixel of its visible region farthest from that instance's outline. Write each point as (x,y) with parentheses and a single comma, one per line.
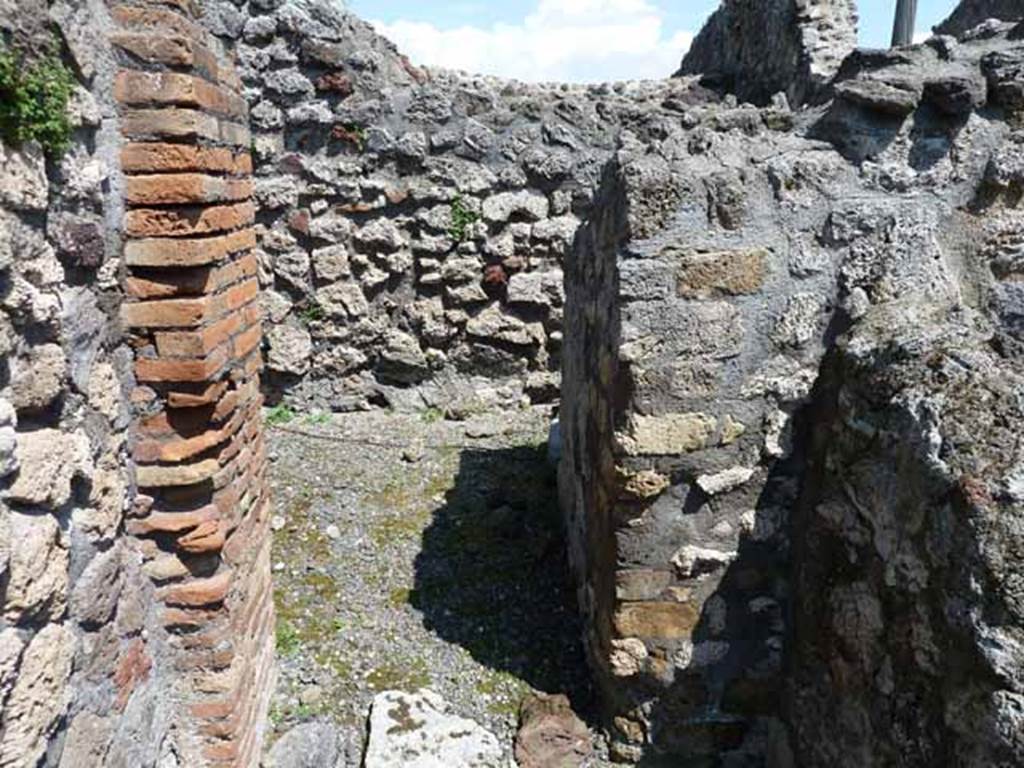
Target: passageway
(411,551)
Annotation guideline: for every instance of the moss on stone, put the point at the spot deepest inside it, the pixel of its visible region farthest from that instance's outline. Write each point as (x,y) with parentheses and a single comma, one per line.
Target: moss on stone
(286,637)
(392,677)
(399,597)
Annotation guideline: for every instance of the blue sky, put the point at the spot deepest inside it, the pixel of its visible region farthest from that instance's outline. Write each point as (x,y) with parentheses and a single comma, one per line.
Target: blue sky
(583,40)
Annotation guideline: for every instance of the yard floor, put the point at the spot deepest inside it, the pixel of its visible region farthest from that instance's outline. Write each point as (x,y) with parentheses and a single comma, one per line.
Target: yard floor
(410,552)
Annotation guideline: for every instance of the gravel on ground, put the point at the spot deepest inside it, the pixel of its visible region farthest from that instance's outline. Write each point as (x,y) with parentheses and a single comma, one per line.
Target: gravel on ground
(414,552)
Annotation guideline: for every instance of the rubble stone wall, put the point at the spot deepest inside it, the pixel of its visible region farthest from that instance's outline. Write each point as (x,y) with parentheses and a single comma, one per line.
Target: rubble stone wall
(971,13)
(907,642)
(677,429)
(783,334)
(75,671)
(780,477)
(760,48)
(413,223)
(134,566)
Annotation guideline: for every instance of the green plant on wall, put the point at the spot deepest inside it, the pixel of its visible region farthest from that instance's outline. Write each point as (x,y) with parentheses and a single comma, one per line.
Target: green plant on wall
(462,219)
(279,414)
(359,134)
(352,134)
(312,312)
(34,100)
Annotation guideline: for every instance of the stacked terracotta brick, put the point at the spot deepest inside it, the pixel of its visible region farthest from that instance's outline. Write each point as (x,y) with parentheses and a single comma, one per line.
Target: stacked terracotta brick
(202,514)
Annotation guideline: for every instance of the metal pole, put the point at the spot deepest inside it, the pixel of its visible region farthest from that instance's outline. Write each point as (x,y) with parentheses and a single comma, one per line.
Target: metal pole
(903,28)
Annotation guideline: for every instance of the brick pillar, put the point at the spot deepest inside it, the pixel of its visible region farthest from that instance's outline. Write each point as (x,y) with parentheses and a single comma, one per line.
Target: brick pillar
(192,307)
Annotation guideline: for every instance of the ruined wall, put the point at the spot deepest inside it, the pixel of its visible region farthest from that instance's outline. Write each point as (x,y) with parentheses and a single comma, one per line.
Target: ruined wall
(677,438)
(74,669)
(789,505)
(908,632)
(202,516)
(908,629)
(971,13)
(134,575)
(413,222)
(784,334)
(758,48)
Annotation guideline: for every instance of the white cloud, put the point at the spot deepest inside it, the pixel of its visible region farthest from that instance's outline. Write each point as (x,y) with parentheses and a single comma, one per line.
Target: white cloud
(561,40)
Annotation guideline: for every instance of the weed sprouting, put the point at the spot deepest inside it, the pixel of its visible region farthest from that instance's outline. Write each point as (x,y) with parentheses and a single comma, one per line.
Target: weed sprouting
(279,414)
(462,219)
(34,100)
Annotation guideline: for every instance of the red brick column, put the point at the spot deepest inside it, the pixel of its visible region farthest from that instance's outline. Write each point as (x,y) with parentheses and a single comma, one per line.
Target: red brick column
(192,307)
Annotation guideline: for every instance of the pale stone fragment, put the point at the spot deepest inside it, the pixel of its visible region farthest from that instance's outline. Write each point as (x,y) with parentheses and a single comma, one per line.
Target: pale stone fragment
(691,561)
(38,568)
(627,657)
(38,698)
(48,460)
(671,434)
(414,730)
(725,481)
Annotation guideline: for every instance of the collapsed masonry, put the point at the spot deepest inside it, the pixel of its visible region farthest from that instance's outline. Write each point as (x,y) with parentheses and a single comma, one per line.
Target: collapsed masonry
(789,343)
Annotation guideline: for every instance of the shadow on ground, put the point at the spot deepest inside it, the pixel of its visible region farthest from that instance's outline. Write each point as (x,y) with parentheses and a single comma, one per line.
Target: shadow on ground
(493,574)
